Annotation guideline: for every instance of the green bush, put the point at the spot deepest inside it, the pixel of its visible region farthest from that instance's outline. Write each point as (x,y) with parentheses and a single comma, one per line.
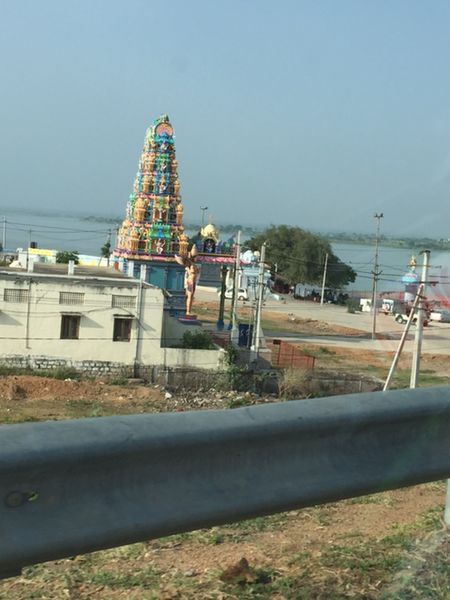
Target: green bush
(199,340)
(352,305)
(65,256)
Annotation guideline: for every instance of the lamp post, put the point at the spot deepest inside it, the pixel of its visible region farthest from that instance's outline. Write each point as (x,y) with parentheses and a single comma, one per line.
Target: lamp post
(203,208)
(223,276)
(375,274)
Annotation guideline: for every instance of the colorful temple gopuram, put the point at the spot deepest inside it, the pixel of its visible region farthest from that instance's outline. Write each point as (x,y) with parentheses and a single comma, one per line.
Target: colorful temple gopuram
(152,231)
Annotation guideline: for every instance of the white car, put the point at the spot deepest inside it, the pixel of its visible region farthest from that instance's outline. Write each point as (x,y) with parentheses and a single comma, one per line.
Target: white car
(241,295)
(443,316)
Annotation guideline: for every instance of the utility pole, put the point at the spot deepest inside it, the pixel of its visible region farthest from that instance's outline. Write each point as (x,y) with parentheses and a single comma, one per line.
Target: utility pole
(234,300)
(415,367)
(260,301)
(223,275)
(28,248)
(376,273)
(403,338)
(324,279)
(4,235)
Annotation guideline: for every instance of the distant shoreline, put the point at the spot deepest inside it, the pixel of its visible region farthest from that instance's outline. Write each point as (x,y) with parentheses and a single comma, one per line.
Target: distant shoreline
(402,243)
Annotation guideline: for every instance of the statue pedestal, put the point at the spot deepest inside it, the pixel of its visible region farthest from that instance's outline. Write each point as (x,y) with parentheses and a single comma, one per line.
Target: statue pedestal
(189,320)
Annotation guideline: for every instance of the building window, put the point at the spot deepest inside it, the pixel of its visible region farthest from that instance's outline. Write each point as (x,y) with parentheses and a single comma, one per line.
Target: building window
(122,329)
(123,301)
(71,298)
(70,327)
(15,295)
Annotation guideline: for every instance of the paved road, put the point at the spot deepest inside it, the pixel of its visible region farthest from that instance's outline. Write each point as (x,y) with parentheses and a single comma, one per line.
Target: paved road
(436,336)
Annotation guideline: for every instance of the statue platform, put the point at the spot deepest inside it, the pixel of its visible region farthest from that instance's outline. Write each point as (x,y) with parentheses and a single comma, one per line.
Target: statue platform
(189,320)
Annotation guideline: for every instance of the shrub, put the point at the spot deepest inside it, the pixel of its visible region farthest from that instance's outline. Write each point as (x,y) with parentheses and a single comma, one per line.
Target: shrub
(65,256)
(199,340)
(352,305)
(294,384)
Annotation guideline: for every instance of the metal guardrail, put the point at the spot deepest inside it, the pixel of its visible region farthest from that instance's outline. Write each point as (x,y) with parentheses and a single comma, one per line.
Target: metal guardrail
(72,487)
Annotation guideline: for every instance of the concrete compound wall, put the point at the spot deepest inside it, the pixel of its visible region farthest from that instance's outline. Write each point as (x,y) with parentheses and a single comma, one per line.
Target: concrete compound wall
(172,374)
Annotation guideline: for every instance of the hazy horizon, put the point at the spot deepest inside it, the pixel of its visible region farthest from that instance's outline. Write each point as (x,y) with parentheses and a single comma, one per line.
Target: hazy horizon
(90,217)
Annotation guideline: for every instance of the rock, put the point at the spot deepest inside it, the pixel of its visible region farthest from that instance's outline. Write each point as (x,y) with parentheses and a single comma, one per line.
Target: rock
(189,573)
(167,395)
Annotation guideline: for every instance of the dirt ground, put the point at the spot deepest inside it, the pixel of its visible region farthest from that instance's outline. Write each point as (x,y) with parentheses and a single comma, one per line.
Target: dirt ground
(207,312)
(386,546)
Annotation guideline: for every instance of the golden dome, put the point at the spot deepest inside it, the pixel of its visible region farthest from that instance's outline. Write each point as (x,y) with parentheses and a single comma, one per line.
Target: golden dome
(210,232)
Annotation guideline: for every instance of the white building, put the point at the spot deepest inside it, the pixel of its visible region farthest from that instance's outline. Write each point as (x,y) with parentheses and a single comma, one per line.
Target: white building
(96,320)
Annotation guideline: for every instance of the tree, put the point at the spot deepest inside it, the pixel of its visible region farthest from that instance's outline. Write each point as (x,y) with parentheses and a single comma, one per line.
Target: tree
(105,251)
(65,256)
(300,256)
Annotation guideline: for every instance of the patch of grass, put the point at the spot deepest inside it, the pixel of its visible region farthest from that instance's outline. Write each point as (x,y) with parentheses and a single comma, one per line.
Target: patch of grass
(325,350)
(5,371)
(58,373)
(118,380)
(239,402)
(14,418)
(382,498)
(97,411)
(258,524)
(145,578)
(426,378)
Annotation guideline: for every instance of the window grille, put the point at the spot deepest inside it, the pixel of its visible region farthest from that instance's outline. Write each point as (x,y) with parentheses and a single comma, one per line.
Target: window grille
(123,301)
(71,298)
(15,295)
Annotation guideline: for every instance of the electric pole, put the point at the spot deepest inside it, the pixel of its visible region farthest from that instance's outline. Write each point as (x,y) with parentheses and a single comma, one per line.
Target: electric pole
(324,279)
(236,285)
(403,338)
(376,273)
(260,301)
(4,235)
(415,367)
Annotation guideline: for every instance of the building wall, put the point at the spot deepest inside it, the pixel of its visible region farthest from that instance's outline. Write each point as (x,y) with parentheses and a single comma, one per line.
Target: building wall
(33,327)
(30,331)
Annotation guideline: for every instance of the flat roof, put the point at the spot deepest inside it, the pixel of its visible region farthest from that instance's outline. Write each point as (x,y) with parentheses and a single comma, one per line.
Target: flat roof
(106,276)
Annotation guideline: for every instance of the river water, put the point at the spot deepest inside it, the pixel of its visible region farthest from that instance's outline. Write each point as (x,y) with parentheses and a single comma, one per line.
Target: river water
(74,232)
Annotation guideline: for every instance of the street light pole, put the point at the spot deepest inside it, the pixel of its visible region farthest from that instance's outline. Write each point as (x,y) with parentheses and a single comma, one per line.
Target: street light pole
(376,273)
(203,208)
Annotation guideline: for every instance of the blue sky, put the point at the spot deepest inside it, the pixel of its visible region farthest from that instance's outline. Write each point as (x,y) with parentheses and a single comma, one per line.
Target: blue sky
(315,113)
